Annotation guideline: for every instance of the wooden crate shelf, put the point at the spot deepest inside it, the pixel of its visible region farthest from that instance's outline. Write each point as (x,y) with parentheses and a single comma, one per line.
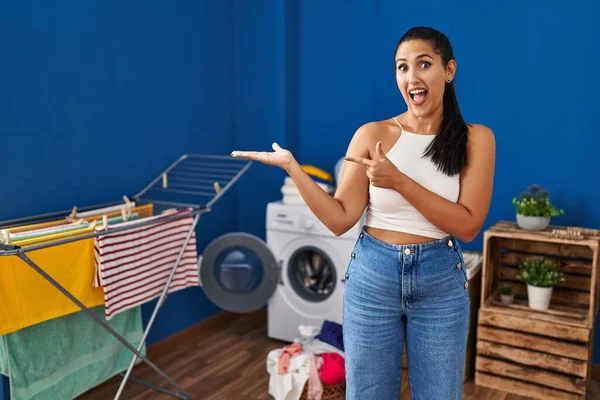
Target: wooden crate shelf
(542,354)
(556,313)
(541,360)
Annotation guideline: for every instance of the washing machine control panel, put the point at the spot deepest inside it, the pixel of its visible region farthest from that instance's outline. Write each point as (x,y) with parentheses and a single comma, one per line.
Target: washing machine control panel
(300,219)
(313,225)
(295,218)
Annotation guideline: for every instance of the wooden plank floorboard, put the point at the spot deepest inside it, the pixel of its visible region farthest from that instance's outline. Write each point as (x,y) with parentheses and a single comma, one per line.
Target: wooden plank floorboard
(225,358)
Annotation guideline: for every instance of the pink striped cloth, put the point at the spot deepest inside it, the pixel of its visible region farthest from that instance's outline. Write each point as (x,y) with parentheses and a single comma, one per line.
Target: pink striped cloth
(133,266)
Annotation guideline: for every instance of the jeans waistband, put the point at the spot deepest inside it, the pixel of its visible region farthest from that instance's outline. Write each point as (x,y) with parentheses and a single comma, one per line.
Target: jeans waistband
(444,242)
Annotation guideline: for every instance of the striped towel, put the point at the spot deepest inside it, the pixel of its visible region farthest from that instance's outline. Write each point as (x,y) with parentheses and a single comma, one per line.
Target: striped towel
(133,266)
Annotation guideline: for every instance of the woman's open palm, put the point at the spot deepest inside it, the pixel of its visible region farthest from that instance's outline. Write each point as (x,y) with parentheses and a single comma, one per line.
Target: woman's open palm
(281,158)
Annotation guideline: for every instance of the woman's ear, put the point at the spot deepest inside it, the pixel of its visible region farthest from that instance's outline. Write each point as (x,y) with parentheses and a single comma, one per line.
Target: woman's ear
(450,70)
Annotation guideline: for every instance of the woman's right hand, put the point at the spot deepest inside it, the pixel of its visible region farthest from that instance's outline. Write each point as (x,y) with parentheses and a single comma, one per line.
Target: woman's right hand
(281,158)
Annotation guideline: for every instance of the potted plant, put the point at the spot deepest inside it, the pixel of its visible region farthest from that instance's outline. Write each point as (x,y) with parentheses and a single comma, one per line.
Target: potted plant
(534,209)
(540,275)
(506,294)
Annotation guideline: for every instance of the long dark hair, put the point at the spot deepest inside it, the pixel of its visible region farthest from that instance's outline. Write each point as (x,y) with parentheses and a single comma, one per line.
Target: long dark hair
(448,150)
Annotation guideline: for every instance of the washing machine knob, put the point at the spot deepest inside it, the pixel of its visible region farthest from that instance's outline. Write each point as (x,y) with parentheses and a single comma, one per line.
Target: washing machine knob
(308,224)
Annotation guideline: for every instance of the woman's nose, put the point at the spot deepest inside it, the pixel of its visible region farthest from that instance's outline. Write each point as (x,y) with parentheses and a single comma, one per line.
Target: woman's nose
(413,77)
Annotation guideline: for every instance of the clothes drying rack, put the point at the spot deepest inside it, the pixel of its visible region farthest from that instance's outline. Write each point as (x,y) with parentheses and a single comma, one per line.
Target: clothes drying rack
(194,182)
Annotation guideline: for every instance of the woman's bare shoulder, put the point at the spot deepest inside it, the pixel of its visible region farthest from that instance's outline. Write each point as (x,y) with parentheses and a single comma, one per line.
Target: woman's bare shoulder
(479,133)
(372,132)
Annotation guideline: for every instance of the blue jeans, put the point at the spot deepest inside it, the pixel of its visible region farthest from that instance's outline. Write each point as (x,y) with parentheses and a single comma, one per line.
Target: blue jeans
(414,295)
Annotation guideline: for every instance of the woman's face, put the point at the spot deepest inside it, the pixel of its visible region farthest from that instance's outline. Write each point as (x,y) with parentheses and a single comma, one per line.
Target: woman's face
(421,76)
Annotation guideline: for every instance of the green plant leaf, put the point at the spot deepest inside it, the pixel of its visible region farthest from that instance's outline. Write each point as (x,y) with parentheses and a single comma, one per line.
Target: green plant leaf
(540,272)
(535,202)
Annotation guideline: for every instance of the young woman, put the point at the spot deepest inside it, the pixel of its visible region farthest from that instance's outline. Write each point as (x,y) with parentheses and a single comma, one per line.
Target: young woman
(425,178)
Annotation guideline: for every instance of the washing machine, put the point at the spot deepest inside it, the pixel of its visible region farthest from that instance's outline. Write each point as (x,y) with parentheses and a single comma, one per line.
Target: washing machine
(298,273)
(313,265)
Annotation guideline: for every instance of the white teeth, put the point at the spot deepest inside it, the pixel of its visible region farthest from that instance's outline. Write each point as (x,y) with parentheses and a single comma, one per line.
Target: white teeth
(417,91)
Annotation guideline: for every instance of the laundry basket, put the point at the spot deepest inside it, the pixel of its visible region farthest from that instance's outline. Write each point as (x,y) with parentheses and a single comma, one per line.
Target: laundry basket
(337,392)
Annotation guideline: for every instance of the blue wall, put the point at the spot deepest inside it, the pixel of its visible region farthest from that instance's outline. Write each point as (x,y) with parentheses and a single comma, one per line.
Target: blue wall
(260,102)
(266,96)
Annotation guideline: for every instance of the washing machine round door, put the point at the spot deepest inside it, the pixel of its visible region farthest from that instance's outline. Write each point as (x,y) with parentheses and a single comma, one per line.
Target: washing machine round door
(239,272)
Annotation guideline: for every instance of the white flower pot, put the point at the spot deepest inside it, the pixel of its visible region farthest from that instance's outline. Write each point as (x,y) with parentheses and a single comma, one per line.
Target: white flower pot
(539,297)
(532,223)
(507,299)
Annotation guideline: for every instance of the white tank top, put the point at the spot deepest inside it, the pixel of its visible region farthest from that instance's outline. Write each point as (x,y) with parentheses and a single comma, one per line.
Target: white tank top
(388,209)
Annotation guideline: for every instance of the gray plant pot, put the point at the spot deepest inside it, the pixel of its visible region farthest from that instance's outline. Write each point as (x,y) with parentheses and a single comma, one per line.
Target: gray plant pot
(532,223)
(507,299)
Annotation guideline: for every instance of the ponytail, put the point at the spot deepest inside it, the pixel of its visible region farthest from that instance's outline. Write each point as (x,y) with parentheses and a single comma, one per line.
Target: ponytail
(448,150)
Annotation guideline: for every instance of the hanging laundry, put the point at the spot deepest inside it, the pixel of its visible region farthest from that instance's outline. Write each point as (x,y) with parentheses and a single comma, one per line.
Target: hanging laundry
(64,357)
(27,299)
(57,232)
(105,210)
(133,266)
(8,237)
(23,235)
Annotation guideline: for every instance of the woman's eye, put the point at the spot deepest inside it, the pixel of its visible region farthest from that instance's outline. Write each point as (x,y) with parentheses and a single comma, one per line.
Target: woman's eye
(425,64)
(402,67)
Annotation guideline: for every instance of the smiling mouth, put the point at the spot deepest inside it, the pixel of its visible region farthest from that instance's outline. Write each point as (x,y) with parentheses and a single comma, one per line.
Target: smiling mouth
(418,96)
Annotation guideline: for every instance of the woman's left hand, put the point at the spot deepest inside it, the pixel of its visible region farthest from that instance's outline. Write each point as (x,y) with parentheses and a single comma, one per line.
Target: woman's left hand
(382,172)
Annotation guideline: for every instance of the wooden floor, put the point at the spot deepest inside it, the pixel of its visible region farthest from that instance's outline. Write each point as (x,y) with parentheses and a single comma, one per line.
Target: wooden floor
(224,359)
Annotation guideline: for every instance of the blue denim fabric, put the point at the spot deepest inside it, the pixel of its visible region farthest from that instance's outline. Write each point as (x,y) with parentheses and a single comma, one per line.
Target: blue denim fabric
(412,294)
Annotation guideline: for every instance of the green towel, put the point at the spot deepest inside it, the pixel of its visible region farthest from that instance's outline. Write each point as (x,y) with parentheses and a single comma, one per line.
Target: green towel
(64,357)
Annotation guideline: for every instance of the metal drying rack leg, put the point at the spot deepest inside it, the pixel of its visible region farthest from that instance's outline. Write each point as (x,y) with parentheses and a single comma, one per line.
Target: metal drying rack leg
(159,304)
(183,394)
